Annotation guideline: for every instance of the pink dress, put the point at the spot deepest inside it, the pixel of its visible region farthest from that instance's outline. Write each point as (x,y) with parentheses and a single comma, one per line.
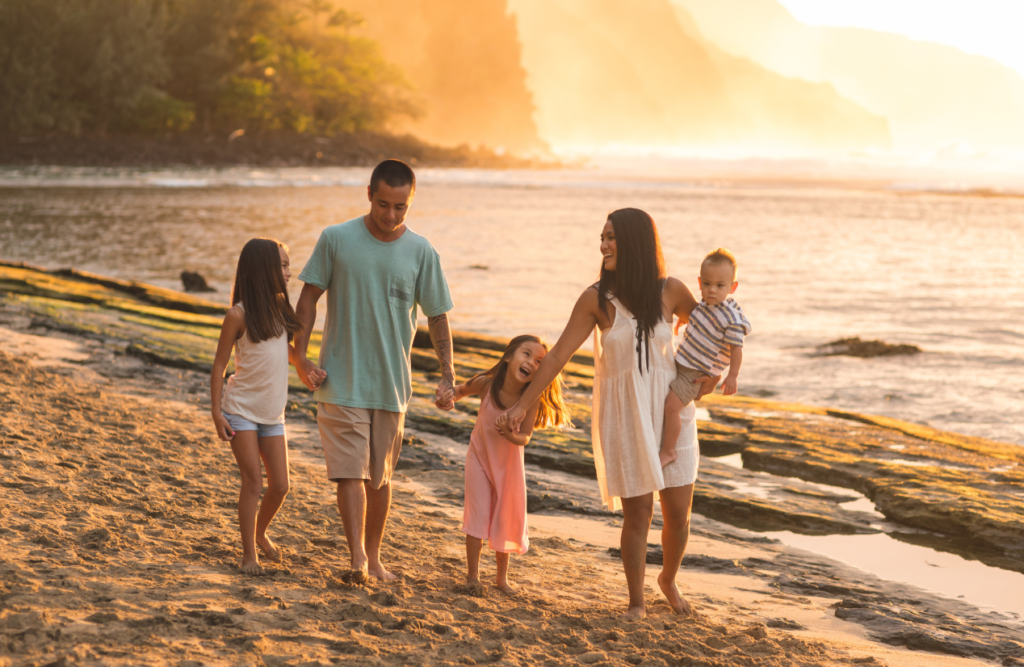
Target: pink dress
(495,486)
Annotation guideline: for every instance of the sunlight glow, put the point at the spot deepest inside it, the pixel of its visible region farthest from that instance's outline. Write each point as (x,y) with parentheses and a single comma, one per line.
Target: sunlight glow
(983,27)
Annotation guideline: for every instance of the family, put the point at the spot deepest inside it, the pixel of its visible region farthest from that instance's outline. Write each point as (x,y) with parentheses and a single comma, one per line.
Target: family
(376,274)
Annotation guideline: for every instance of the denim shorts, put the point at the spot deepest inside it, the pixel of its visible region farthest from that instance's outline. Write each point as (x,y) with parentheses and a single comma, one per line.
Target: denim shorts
(262,430)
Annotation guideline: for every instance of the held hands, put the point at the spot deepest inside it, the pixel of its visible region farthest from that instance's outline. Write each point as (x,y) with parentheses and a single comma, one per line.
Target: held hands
(510,420)
(444,395)
(502,425)
(224,430)
(310,374)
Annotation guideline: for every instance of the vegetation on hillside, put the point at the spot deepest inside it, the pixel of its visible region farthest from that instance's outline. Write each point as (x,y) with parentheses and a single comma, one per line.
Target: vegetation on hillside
(158,66)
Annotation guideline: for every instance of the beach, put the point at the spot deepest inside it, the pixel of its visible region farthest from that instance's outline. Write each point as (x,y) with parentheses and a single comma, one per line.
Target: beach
(121,543)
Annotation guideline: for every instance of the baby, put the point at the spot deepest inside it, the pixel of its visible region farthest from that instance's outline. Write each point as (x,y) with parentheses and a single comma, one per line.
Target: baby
(712,341)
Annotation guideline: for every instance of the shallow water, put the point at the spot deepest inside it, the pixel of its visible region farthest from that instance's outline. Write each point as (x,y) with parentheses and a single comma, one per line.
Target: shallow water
(816,264)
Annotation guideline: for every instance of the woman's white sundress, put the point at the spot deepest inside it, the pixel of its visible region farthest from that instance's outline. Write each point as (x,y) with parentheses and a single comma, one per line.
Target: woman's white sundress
(629,409)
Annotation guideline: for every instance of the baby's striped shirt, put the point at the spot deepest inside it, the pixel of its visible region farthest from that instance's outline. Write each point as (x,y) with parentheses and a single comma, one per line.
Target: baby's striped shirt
(708,335)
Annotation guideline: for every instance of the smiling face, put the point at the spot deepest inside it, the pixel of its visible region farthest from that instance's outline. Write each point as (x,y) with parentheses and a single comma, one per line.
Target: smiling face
(286,264)
(716,282)
(608,248)
(388,206)
(525,361)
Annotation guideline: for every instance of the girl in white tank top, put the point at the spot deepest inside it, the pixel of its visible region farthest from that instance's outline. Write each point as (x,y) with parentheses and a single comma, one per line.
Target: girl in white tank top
(250,415)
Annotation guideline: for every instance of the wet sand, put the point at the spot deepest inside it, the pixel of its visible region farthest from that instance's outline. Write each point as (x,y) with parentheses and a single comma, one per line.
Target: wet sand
(120,546)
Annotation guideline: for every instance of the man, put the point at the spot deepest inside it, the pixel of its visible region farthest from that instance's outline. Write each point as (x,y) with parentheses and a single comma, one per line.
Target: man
(376,272)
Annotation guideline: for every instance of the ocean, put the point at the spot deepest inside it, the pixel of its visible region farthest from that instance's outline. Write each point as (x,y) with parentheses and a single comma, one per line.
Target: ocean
(819,261)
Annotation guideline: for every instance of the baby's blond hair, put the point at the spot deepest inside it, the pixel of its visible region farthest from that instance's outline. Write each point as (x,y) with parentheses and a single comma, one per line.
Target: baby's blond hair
(722,256)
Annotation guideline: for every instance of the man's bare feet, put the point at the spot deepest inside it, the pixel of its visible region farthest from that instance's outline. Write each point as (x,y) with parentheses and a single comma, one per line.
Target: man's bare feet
(668,587)
(251,567)
(382,574)
(634,614)
(506,587)
(269,548)
(666,457)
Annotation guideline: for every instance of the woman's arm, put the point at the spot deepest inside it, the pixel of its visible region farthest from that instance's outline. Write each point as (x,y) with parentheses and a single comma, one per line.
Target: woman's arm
(522,437)
(230,331)
(679,300)
(581,324)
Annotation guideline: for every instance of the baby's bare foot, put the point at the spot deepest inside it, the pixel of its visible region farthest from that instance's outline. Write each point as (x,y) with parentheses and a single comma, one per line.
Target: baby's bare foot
(251,567)
(668,587)
(666,457)
(269,548)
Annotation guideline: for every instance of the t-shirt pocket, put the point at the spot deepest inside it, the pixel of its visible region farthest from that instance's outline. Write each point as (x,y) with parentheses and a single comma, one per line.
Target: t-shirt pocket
(401,293)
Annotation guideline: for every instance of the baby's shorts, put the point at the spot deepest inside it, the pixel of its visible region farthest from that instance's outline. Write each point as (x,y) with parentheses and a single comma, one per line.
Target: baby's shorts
(684,386)
(262,430)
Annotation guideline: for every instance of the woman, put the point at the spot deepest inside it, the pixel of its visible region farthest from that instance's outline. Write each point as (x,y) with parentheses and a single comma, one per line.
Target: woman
(631,307)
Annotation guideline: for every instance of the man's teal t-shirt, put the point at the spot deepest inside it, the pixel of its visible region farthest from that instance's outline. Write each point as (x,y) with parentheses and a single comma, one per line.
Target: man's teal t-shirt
(373,290)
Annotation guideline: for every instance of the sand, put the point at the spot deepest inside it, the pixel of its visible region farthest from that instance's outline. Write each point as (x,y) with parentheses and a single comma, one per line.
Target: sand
(120,547)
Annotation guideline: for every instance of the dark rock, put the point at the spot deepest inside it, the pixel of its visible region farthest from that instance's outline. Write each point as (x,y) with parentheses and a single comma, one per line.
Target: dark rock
(417,457)
(785,624)
(538,503)
(855,347)
(193,281)
(930,632)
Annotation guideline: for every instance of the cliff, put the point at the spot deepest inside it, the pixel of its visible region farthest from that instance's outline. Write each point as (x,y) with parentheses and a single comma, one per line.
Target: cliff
(462,58)
(640,73)
(932,95)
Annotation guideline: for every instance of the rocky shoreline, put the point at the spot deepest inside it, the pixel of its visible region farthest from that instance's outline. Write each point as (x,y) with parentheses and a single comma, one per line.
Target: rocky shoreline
(766,466)
(272,149)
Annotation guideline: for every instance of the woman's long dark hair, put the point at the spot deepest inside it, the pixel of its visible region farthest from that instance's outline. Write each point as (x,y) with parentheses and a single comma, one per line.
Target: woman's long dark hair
(552,410)
(260,286)
(638,276)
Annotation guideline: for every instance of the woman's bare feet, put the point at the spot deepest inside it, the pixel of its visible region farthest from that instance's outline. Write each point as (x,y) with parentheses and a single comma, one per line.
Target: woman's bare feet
(666,457)
(634,614)
(251,567)
(269,548)
(668,587)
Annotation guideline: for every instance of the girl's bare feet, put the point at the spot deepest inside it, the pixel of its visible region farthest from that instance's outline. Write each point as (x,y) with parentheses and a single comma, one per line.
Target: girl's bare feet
(269,548)
(668,587)
(473,581)
(634,614)
(666,457)
(251,567)
(506,587)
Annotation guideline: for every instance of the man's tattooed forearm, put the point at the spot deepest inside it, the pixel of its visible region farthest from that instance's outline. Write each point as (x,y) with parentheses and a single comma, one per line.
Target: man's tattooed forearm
(441,336)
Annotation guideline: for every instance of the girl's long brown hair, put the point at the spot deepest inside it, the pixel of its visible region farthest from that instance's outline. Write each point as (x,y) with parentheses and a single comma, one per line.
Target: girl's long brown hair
(260,286)
(552,410)
(638,276)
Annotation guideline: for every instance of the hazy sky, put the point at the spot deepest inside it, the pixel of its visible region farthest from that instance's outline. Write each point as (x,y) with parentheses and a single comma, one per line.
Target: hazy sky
(985,27)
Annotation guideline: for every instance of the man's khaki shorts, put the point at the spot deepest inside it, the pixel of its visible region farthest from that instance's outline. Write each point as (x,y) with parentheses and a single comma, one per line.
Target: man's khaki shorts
(360,443)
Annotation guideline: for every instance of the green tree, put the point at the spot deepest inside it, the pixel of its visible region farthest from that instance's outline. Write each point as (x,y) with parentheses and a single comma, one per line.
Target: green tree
(162,65)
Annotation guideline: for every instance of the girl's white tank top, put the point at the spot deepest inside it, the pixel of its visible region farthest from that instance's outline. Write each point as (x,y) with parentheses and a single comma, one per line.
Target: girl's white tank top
(258,391)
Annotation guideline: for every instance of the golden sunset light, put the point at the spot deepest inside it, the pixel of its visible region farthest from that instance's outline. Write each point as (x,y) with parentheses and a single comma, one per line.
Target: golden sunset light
(386,333)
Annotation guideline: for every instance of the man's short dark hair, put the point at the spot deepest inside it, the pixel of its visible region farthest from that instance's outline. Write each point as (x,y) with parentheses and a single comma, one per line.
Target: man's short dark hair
(393,172)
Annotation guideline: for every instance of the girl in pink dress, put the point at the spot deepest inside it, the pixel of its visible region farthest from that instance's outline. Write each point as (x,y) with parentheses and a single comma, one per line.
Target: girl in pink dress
(495,476)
